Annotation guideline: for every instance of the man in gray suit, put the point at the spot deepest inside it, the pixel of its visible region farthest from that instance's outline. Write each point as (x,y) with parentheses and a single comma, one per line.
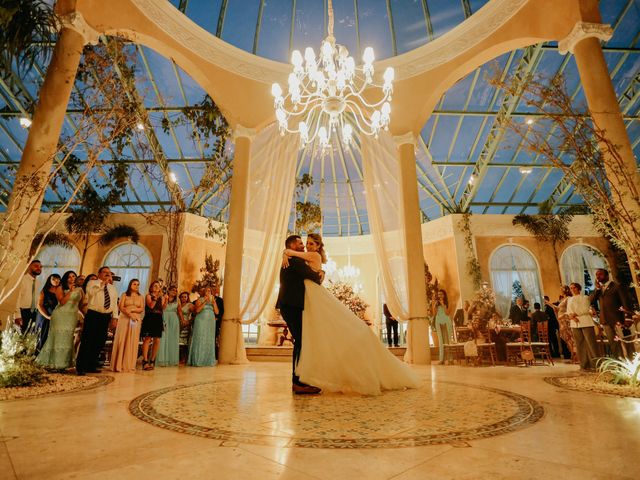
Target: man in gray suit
(614,304)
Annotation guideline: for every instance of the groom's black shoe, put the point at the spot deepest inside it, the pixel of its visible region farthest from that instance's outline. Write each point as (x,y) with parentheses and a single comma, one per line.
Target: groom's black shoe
(304,389)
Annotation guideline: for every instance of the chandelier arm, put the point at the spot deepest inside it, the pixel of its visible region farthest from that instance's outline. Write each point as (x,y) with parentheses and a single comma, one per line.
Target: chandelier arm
(357,112)
(364,127)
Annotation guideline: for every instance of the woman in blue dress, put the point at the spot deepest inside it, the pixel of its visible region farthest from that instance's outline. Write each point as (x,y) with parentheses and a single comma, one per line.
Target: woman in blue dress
(202,352)
(169,352)
(444,328)
(57,352)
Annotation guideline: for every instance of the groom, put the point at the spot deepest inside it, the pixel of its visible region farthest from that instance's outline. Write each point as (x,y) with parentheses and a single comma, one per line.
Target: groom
(291,304)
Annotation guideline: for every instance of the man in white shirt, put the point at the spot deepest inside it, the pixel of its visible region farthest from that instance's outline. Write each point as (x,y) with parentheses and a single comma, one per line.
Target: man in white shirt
(102,304)
(28,293)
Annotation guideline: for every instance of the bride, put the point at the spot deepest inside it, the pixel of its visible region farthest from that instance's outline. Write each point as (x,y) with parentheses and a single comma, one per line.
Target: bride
(340,352)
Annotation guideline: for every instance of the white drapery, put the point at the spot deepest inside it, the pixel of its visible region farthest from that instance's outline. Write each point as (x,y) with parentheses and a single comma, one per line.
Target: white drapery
(509,264)
(578,258)
(272,168)
(381,170)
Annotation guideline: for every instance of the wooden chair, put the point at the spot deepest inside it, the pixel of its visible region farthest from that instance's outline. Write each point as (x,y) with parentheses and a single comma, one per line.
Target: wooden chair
(519,351)
(487,351)
(541,347)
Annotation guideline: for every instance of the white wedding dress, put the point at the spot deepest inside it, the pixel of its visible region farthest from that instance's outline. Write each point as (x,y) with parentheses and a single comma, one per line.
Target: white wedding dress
(340,353)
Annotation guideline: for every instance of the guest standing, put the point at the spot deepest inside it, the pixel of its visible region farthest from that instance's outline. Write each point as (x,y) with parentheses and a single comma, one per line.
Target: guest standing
(613,302)
(47,301)
(102,307)
(124,354)
(220,304)
(392,325)
(186,307)
(553,327)
(202,349)
(444,328)
(584,333)
(151,331)
(518,314)
(169,352)
(57,352)
(537,317)
(28,296)
(565,321)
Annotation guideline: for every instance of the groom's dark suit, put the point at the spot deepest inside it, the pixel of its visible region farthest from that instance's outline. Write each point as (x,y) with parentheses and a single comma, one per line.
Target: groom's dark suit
(291,302)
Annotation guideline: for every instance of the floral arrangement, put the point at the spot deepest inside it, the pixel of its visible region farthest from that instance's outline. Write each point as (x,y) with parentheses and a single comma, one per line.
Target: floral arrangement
(210,276)
(344,292)
(483,305)
(486,296)
(17,358)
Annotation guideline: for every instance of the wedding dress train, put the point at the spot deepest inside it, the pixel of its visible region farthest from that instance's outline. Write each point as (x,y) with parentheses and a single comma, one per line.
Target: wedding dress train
(340,353)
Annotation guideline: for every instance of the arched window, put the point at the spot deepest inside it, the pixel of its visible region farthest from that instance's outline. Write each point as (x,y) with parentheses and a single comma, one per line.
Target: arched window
(57,259)
(578,264)
(129,261)
(514,272)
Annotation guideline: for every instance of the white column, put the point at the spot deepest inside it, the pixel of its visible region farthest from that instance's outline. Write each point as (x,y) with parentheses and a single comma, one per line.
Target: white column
(418,350)
(232,348)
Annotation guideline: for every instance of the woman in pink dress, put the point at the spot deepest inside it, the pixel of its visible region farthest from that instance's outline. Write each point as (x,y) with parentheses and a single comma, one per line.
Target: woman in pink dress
(125,342)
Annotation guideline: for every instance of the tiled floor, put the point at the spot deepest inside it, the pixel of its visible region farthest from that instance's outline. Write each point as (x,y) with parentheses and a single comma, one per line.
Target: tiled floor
(254,428)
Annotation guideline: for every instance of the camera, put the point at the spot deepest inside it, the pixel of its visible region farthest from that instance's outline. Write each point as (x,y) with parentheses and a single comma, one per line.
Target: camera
(116,278)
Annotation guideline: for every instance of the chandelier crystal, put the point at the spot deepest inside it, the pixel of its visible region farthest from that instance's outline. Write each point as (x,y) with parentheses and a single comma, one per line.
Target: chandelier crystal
(325,95)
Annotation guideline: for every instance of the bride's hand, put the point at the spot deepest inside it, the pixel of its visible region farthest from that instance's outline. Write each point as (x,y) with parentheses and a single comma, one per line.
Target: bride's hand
(285,260)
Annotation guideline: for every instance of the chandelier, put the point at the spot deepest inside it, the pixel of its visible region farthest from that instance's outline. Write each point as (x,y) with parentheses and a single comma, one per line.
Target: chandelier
(325,95)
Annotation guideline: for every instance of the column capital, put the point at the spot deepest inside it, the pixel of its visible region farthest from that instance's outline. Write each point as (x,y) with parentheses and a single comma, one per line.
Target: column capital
(582,30)
(75,21)
(241,131)
(406,138)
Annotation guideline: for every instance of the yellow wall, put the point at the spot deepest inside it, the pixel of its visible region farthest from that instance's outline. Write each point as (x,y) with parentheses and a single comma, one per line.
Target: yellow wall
(441,258)
(194,250)
(549,270)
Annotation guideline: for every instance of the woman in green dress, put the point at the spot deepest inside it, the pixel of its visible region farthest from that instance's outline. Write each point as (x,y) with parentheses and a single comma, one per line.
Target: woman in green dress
(57,352)
(202,352)
(169,353)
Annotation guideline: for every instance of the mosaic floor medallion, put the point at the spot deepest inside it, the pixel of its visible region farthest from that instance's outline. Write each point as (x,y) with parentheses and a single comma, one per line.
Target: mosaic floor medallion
(263,411)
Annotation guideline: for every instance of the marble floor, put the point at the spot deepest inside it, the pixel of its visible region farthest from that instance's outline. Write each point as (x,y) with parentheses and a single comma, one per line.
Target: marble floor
(242,422)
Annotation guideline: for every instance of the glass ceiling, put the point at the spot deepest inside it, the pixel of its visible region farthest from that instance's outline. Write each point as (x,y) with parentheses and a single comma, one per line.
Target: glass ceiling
(451,141)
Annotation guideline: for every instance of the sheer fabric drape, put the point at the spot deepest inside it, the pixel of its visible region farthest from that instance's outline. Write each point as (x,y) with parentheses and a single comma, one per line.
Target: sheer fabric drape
(578,258)
(272,168)
(381,170)
(509,264)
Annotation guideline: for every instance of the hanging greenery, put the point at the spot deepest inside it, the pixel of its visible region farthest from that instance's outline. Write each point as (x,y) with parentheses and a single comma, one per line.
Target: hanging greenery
(308,213)
(210,133)
(473,265)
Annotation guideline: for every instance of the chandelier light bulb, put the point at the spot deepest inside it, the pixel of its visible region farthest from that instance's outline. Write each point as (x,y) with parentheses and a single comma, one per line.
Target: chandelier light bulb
(389,75)
(368,56)
(310,56)
(25,122)
(276,90)
(296,58)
